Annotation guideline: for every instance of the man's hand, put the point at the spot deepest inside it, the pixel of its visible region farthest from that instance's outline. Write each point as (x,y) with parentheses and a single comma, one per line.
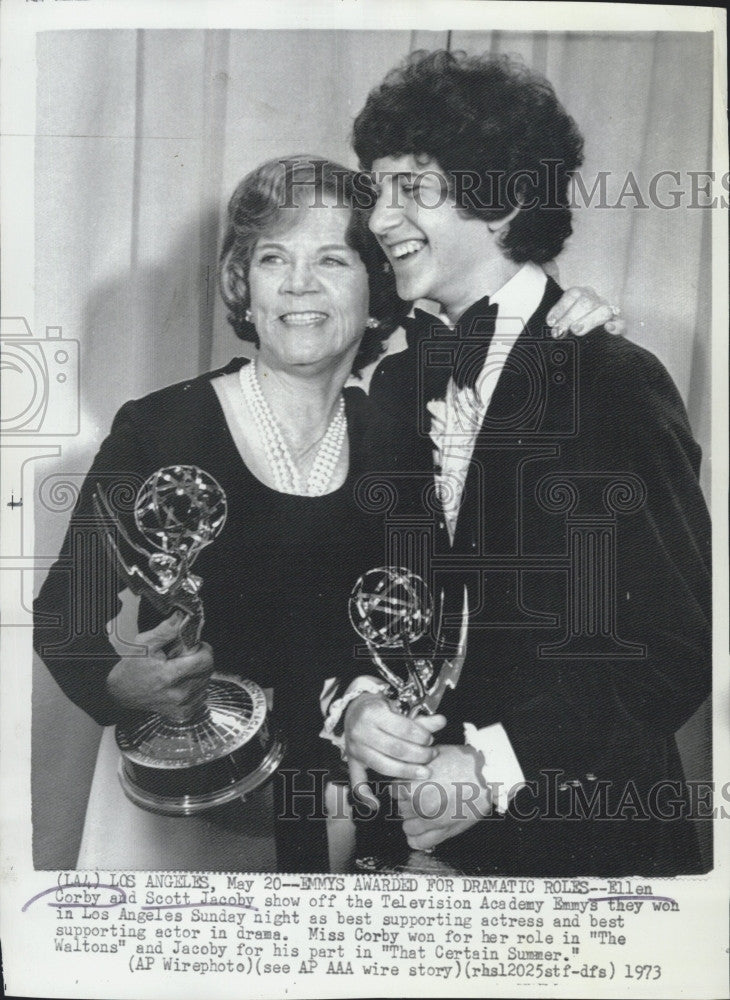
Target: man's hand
(172,686)
(453,800)
(377,736)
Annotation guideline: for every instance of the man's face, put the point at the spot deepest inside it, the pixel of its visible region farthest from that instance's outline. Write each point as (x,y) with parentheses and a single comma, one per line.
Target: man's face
(436,253)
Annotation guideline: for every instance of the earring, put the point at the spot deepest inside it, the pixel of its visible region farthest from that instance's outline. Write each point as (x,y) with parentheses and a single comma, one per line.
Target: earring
(248,316)
(386,267)
(372,323)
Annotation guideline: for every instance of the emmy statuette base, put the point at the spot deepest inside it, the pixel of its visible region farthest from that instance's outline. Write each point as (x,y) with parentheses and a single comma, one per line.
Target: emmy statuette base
(191,805)
(228,748)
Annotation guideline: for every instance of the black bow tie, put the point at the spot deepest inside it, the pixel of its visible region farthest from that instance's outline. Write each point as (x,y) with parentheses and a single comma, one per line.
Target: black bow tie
(473,332)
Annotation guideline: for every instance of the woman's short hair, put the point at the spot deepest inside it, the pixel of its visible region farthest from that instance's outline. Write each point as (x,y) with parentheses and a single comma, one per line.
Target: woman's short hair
(266,200)
(490,118)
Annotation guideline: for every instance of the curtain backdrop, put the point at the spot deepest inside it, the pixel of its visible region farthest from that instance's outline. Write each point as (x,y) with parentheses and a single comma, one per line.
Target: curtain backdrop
(141,138)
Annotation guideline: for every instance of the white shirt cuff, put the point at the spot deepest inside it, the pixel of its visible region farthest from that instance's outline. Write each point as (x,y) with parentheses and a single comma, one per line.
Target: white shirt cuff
(501,770)
(336,708)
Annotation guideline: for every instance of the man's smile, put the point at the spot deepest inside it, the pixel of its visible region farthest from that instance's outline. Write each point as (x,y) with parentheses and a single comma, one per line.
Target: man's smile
(406,248)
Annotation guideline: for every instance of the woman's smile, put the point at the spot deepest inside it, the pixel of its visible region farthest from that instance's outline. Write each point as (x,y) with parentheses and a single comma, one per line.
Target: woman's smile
(308,318)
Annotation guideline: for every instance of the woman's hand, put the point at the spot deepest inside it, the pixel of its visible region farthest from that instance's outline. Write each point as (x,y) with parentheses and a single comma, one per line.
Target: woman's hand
(173,686)
(581,310)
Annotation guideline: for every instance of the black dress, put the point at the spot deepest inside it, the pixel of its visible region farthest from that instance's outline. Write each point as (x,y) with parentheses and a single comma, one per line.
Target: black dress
(275,584)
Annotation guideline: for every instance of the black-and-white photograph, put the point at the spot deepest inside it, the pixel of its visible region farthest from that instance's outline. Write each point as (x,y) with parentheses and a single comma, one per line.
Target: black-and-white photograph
(360,446)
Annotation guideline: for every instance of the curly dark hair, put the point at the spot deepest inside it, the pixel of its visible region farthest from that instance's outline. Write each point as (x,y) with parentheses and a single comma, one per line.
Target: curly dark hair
(493,118)
(265,201)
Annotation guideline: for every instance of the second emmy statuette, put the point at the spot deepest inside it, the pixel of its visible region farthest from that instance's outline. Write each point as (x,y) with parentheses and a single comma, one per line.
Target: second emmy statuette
(391,608)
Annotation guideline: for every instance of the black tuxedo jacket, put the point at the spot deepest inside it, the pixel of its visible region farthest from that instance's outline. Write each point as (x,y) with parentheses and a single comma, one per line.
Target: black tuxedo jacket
(584,542)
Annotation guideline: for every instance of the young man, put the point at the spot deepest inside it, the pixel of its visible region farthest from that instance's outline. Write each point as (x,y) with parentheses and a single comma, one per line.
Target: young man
(569,530)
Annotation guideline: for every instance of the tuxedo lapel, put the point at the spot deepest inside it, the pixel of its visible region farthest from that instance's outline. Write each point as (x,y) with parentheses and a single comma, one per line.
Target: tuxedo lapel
(510,389)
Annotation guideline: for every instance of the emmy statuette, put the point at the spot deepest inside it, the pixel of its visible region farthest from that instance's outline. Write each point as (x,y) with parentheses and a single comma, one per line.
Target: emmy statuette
(226,746)
(391,608)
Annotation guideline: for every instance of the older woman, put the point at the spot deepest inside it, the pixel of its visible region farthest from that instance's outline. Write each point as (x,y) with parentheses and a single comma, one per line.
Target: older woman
(305,281)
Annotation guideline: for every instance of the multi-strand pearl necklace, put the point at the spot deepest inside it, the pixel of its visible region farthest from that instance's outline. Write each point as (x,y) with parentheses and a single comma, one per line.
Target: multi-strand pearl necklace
(283,468)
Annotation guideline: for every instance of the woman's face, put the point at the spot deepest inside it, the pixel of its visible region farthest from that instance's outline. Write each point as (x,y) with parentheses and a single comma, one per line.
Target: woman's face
(309,292)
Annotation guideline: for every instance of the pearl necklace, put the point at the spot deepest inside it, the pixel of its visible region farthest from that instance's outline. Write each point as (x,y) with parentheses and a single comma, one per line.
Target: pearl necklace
(283,468)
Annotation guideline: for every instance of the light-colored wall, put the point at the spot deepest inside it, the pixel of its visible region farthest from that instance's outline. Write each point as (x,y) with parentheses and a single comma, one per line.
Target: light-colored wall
(141,137)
